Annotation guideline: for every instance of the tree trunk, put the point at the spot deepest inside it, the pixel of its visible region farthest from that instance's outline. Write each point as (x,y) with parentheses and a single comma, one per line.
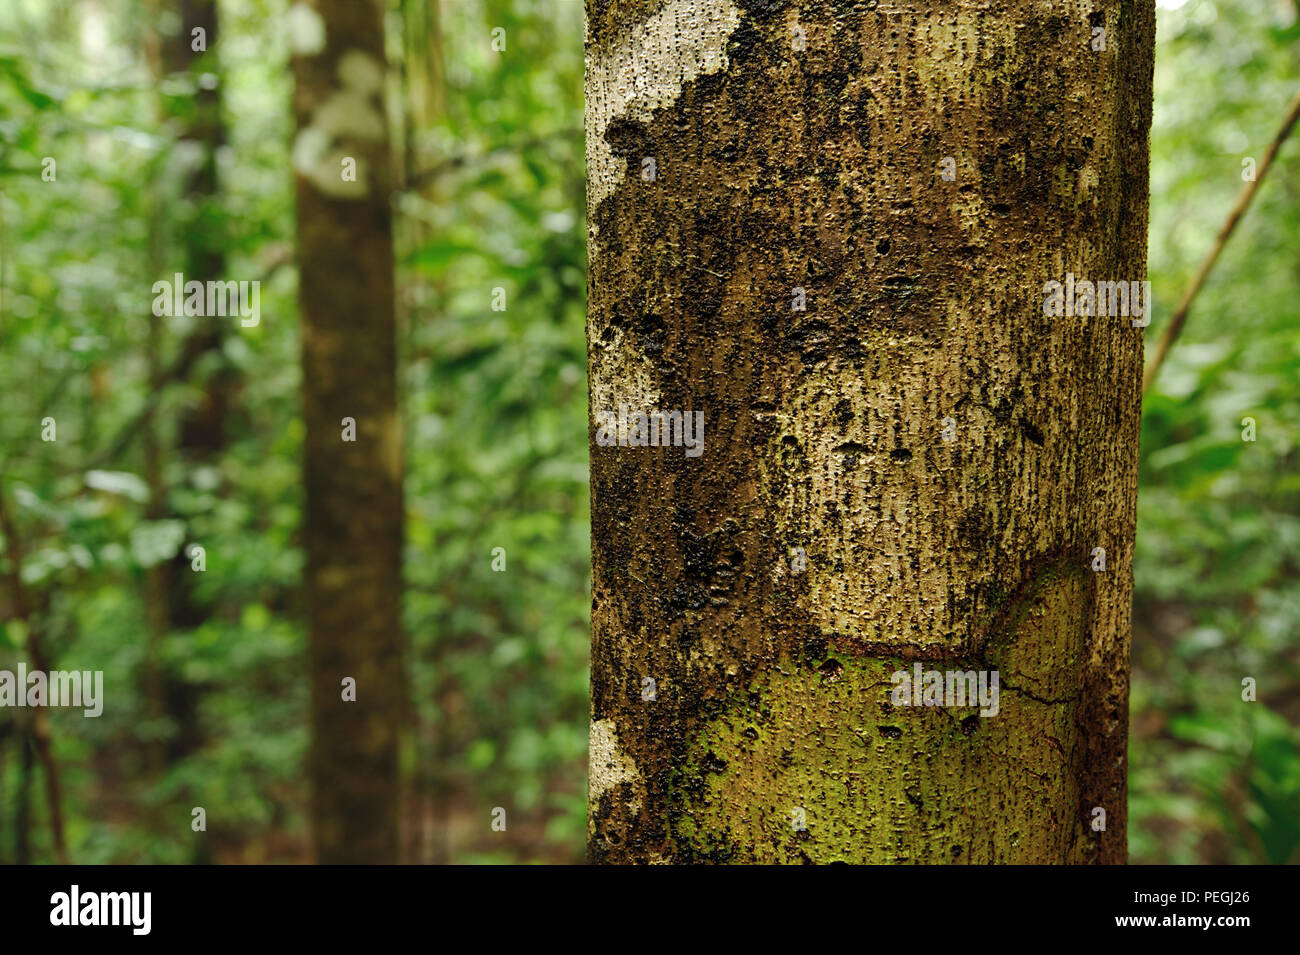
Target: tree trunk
(914,468)
(197,226)
(354,506)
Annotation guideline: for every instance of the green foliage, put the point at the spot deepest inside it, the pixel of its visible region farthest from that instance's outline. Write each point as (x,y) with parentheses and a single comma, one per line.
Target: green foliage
(1213,778)
(495,404)
(497,434)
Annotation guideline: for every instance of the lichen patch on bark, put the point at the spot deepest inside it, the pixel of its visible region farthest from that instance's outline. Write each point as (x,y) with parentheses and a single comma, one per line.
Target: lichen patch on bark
(816,740)
(611,773)
(644,70)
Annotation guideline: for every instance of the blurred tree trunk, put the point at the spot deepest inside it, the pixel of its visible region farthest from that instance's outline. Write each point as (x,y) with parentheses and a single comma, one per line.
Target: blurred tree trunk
(906,462)
(424,83)
(423,78)
(191,221)
(354,508)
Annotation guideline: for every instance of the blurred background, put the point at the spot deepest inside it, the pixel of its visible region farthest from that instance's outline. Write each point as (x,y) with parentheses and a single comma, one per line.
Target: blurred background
(164,438)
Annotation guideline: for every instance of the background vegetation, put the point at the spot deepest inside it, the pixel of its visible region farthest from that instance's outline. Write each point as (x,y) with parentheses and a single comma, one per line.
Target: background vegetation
(215,714)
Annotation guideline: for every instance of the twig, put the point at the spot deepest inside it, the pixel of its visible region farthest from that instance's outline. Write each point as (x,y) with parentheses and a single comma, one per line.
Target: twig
(1243,201)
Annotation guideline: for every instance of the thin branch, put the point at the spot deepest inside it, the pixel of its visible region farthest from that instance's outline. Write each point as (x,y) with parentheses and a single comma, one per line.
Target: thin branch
(40,730)
(426,176)
(1175,325)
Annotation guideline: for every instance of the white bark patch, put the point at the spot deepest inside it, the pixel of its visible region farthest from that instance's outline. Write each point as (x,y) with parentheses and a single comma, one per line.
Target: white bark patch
(640,72)
(625,376)
(306,30)
(351,113)
(645,71)
(607,765)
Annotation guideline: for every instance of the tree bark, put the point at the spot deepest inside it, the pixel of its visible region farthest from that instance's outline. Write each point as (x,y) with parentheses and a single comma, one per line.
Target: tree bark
(947,457)
(354,508)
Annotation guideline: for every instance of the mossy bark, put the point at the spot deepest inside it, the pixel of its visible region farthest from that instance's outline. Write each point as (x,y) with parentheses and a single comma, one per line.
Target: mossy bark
(353,528)
(946,456)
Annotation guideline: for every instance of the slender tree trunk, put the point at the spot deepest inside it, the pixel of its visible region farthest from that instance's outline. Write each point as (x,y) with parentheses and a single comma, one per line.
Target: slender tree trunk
(354,487)
(5,730)
(196,226)
(36,727)
(423,83)
(838,257)
(201,439)
(23,804)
